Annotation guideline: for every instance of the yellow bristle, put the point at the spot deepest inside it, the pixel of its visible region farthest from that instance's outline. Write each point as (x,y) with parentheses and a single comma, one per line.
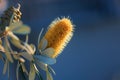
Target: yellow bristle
(58,35)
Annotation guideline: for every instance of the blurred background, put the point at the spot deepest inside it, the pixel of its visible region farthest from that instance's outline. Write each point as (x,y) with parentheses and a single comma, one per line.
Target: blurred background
(94,51)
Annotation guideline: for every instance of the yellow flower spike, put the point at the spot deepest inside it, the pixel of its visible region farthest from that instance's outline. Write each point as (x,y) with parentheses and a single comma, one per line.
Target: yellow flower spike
(58,35)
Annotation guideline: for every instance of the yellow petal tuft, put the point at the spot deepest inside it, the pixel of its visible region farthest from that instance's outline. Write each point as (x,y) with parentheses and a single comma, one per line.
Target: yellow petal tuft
(58,35)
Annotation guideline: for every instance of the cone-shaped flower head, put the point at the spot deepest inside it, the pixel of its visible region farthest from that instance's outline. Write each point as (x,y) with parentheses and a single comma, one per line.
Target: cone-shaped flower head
(58,35)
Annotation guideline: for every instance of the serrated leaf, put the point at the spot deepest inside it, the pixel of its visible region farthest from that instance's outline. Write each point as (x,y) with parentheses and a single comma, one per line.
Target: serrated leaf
(45,59)
(27,56)
(32,72)
(42,44)
(48,52)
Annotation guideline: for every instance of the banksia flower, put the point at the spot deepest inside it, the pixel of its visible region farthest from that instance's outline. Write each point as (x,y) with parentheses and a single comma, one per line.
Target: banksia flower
(11,15)
(58,35)
(50,46)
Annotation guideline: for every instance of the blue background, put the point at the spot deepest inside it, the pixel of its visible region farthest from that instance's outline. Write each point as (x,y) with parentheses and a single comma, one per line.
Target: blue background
(94,51)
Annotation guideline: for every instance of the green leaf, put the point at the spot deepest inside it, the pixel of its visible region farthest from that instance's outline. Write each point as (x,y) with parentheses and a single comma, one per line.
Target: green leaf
(41,64)
(50,69)
(8,71)
(37,72)
(19,28)
(33,48)
(48,52)
(49,76)
(5,66)
(27,56)
(45,59)
(43,44)
(15,25)
(17,71)
(2,48)
(22,74)
(24,68)
(39,75)
(15,40)
(23,30)
(0,56)
(39,37)
(7,52)
(32,72)
(30,48)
